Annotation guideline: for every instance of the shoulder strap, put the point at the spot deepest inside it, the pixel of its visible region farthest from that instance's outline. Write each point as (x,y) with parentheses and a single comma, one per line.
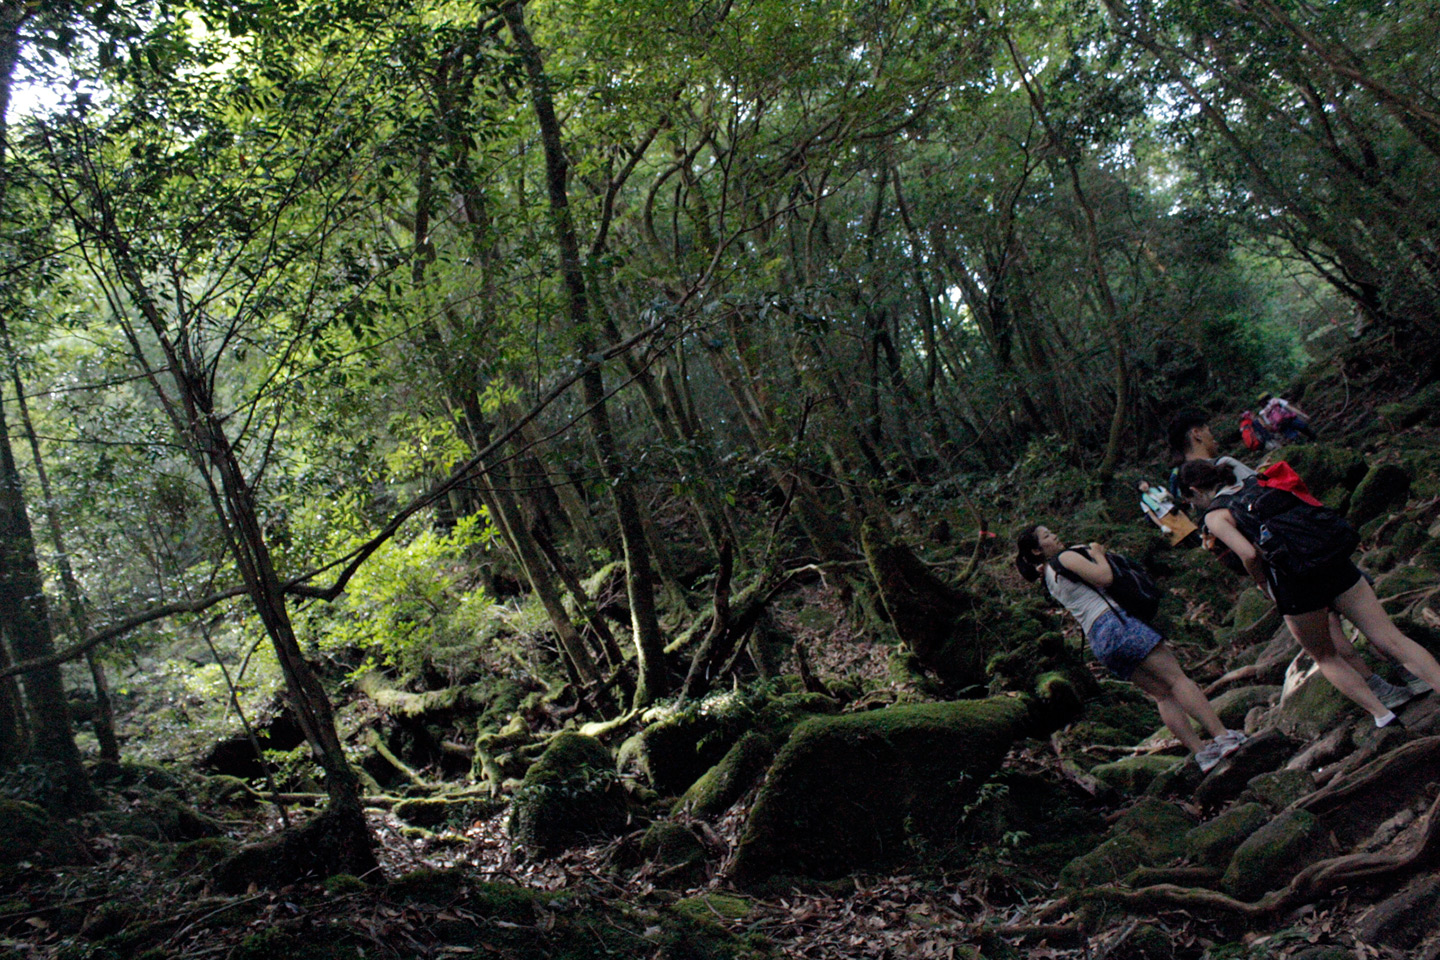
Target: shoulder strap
(1062,571)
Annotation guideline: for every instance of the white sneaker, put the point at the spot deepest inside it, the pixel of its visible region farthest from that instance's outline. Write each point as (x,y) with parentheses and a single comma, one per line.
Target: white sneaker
(1390,695)
(1230,741)
(1208,756)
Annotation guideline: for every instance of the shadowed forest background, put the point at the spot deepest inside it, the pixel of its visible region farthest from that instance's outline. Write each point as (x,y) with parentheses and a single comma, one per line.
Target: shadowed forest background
(537,478)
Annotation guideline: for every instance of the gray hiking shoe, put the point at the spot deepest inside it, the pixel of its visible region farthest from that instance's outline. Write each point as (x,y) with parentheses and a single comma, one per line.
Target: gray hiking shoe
(1414,684)
(1209,755)
(1390,695)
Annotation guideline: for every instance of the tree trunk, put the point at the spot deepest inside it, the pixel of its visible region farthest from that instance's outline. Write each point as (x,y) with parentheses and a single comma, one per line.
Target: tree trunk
(104,722)
(25,630)
(654,681)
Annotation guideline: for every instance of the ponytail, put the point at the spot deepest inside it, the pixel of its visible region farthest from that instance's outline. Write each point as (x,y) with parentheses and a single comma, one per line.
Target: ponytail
(1027,545)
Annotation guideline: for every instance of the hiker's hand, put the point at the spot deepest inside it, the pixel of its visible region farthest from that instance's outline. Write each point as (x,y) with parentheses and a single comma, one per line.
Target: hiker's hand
(1098,549)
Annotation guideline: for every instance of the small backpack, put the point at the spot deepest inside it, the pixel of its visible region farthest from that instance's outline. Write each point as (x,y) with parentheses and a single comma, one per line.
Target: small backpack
(1252,433)
(1131,587)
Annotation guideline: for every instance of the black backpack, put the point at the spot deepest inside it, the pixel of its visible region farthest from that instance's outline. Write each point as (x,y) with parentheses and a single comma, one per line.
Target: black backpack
(1131,587)
(1295,538)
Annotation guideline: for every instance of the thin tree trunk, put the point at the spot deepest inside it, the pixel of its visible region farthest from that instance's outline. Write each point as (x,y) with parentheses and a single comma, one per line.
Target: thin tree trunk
(654,680)
(104,723)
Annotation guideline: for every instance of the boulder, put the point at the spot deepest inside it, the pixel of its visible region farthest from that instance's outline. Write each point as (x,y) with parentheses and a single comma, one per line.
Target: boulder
(1214,842)
(569,796)
(1313,708)
(27,833)
(680,743)
(1261,754)
(1235,704)
(1132,775)
(726,782)
(1272,855)
(1149,834)
(865,788)
(1384,487)
(1330,471)
(1278,789)
(1415,409)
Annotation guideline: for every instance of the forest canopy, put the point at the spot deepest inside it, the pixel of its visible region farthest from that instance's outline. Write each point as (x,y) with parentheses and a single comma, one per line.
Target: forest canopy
(434,341)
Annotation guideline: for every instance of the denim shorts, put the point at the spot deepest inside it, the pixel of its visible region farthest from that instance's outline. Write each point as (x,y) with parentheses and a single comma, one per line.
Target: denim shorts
(1122,642)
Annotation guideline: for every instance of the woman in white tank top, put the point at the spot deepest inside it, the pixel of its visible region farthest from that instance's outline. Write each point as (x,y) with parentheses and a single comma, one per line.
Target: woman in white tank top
(1129,647)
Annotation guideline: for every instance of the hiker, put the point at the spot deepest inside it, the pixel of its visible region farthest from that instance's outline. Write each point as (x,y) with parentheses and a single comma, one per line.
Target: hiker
(1285,419)
(1129,647)
(1158,505)
(1304,582)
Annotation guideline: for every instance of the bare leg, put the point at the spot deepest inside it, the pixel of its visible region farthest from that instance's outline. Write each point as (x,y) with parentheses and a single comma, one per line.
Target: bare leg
(1312,630)
(1362,607)
(1345,649)
(1171,713)
(1162,672)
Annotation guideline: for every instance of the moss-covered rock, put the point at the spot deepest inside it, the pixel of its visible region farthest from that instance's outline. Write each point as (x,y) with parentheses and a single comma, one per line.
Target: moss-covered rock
(1384,487)
(1279,788)
(1149,834)
(1148,942)
(158,817)
(1262,753)
(27,833)
(570,795)
(1132,775)
(728,780)
(1233,705)
(1313,708)
(1419,407)
(1271,856)
(1212,843)
(867,788)
(1329,470)
(682,741)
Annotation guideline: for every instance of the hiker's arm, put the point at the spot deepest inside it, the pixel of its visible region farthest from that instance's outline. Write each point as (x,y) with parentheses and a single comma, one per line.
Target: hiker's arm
(1095,572)
(1222,525)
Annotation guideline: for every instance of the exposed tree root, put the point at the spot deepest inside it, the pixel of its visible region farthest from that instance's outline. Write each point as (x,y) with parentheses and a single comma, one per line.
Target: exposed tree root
(1310,883)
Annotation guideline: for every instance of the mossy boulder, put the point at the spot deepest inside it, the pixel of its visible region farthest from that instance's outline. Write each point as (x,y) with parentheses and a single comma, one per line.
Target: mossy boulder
(695,929)
(1264,752)
(1329,470)
(158,817)
(27,833)
(1215,841)
(1234,704)
(1386,486)
(1132,775)
(569,796)
(681,742)
(1419,407)
(726,782)
(1149,834)
(1313,708)
(867,788)
(1279,788)
(1272,855)
(1121,707)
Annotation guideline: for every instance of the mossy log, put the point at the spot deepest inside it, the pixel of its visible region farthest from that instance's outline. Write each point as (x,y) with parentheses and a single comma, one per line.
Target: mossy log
(434,704)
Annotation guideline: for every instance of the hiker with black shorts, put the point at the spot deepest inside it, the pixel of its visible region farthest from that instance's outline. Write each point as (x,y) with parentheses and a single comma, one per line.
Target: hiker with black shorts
(1081,579)
(1191,439)
(1298,554)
